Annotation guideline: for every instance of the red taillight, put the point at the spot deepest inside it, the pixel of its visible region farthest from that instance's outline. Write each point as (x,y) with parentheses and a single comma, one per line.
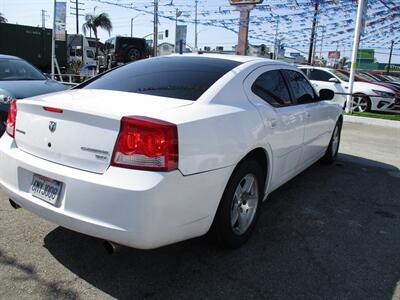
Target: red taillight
(146,143)
(11,119)
(52,109)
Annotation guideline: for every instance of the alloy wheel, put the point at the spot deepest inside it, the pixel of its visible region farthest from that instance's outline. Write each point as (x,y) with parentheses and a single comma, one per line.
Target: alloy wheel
(335,141)
(359,104)
(244,204)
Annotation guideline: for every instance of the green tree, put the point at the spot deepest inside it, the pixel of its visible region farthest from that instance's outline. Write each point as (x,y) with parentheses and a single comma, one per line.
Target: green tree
(343,61)
(3,19)
(93,22)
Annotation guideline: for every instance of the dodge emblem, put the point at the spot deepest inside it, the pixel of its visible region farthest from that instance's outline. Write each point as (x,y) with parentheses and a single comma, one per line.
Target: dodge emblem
(52,126)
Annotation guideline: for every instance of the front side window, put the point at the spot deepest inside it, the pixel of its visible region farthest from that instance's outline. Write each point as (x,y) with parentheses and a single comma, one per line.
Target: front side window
(171,77)
(302,89)
(272,88)
(89,54)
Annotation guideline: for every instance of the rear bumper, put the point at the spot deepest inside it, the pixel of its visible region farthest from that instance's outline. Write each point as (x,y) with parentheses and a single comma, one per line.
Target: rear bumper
(135,208)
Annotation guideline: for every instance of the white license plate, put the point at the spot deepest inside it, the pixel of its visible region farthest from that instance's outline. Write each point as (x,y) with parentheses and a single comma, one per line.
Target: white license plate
(45,188)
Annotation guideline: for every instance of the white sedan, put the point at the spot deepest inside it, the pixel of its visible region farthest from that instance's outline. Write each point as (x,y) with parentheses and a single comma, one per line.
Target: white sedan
(367,96)
(167,149)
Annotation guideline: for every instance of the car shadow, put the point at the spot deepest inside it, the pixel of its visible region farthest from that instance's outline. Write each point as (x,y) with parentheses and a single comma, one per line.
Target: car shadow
(332,232)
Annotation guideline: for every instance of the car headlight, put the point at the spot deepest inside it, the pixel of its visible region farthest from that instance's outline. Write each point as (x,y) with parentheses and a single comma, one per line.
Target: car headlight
(384,94)
(5,99)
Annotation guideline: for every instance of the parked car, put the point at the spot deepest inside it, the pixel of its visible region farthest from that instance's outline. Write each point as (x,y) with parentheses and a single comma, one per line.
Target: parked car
(365,78)
(120,50)
(367,96)
(379,78)
(166,149)
(19,79)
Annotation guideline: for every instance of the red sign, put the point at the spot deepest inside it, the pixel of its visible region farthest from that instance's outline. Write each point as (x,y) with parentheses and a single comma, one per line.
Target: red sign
(334,54)
(243,2)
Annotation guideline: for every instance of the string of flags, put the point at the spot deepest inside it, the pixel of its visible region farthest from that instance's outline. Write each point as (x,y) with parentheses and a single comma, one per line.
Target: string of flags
(335,20)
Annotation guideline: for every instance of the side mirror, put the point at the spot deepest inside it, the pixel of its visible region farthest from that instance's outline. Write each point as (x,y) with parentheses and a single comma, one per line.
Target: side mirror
(334,80)
(326,94)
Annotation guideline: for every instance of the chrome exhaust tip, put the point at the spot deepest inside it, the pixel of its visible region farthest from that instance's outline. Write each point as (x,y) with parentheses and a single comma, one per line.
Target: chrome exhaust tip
(13,204)
(111,248)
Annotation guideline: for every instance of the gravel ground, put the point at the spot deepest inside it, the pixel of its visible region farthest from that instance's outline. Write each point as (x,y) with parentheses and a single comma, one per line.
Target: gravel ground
(330,233)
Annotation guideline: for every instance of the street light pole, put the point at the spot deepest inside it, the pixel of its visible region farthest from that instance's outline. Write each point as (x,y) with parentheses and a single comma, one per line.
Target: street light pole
(312,39)
(357,36)
(94,14)
(131,27)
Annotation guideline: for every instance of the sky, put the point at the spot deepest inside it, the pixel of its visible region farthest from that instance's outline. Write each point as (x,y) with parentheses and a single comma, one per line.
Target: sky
(263,26)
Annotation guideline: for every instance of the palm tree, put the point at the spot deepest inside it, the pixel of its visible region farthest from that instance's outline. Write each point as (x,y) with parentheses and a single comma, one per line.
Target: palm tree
(3,19)
(95,21)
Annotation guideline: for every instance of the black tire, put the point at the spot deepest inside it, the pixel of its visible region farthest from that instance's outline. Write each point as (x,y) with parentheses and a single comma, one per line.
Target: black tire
(222,232)
(133,54)
(331,154)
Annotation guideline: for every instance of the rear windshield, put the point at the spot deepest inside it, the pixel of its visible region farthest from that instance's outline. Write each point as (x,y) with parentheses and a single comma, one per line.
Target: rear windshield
(172,77)
(17,69)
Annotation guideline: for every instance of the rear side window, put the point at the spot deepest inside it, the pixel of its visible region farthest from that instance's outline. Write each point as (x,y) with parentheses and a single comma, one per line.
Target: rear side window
(172,77)
(271,87)
(302,89)
(320,75)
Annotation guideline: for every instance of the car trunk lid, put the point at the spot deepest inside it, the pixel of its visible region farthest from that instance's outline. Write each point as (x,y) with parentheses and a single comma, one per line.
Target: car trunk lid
(82,131)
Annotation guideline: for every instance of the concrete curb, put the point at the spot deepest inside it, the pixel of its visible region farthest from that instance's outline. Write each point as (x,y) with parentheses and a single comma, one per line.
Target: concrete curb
(371,121)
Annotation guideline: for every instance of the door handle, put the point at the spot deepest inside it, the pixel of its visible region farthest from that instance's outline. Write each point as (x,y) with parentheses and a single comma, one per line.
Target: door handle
(308,115)
(273,123)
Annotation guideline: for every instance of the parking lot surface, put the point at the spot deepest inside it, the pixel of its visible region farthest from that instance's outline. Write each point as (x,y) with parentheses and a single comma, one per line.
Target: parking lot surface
(330,233)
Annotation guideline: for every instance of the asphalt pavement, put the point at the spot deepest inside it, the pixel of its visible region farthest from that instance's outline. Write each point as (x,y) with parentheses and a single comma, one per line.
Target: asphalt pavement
(333,232)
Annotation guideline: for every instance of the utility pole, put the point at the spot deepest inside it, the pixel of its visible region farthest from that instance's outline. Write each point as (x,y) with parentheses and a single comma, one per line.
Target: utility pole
(195,26)
(362,7)
(177,15)
(315,47)
(76,13)
(77,16)
(276,39)
(390,58)
(155,37)
(131,27)
(44,17)
(310,51)
(322,42)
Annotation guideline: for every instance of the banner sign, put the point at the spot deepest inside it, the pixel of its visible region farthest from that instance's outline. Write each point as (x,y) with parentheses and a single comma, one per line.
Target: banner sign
(366,54)
(334,54)
(181,34)
(59,21)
